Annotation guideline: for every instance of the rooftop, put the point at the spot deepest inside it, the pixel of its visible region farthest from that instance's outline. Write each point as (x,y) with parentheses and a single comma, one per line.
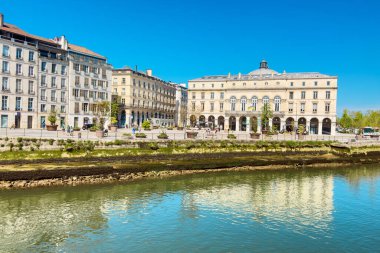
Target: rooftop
(16,30)
(264,73)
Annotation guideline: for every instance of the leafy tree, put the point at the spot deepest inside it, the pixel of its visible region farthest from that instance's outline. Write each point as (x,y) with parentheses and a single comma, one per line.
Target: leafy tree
(266,115)
(346,120)
(114,112)
(102,113)
(52,117)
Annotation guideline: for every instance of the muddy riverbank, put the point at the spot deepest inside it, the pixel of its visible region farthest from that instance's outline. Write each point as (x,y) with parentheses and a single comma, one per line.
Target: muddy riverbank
(91,170)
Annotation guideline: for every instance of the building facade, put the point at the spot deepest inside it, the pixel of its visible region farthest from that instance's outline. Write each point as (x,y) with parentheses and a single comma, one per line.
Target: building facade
(180,117)
(41,75)
(235,102)
(143,97)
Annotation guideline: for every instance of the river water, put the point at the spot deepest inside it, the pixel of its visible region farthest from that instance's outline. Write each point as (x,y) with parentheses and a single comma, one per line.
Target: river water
(313,210)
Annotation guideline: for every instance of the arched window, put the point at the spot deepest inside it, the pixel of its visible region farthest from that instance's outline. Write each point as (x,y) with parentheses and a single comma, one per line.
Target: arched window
(277,103)
(243,101)
(233,103)
(254,104)
(265,100)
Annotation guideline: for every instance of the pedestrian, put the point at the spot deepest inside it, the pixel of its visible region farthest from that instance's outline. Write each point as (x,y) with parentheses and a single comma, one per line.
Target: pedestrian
(133,130)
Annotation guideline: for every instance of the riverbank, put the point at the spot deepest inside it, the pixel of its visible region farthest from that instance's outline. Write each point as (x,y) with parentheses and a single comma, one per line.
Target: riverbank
(21,169)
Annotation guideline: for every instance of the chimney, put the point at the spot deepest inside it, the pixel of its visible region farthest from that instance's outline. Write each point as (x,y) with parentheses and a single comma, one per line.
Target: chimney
(1,20)
(149,72)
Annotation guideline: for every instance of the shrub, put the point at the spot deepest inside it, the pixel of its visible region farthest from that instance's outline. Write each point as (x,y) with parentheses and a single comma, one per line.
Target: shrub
(2,145)
(140,135)
(146,125)
(19,139)
(31,149)
(170,128)
(94,128)
(51,141)
(20,145)
(6,139)
(153,146)
(162,136)
(231,136)
(11,145)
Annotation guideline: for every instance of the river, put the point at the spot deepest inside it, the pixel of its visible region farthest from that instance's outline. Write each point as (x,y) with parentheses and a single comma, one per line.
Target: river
(311,210)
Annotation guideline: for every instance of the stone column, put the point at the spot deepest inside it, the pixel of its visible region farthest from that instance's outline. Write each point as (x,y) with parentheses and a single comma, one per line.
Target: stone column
(237,124)
(283,125)
(270,124)
(248,124)
(258,124)
(333,128)
(226,124)
(319,127)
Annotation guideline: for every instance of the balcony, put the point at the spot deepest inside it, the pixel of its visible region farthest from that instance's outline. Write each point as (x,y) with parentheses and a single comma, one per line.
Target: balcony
(63,100)
(5,71)
(77,84)
(4,108)
(53,99)
(19,91)
(43,85)
(30,110)
(31,92)
(6,90)
(77,98)
(86,98)
(18,109)
(43,98)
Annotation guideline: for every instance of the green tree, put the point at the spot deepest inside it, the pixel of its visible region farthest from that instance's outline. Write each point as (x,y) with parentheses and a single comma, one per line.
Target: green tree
(114,112)
(345,121)
(266,115)
(358,119)
(146,125)
(52,117)
(103,110)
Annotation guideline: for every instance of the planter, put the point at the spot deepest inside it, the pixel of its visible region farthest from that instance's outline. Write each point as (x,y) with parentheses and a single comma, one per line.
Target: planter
(99,134)
(179,128)
(191,135)
(255,136)
(113,129)
(265,131)
(51,127)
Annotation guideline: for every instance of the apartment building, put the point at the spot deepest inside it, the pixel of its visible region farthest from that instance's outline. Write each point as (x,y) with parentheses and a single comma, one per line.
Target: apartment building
(143,97)
(41,75)
(180,117)
(235,102)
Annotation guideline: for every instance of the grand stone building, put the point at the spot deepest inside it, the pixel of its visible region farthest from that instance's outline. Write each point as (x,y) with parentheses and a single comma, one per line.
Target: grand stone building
(41,75)
(143,96)
(235,102)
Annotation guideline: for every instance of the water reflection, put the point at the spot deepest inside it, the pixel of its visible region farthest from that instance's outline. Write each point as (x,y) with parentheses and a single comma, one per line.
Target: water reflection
(163,214)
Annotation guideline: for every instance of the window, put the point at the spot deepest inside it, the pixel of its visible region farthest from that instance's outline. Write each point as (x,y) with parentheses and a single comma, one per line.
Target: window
(212,85)
(31,71)
(233,103)
(6,51)
(291,95)
(265,100)
(76,67)
(43,80)
(254,104)
(221,106)
(327,94)
(291,83)
(63,96)
(212,95)
(290,107)
(5,68)
(315,107)
(43,66)
(18,104)
(63,83)
(31,87)
(202,106)
(303,83)
(63,109)
(53,82)
(30,104)
(5,84)
(43,95)
(54,68)
(19,53)
(63,70)
(43,108)
(193,95)
(76,108)
(327,107)
(243,102)
(31,56)
(212,107)
(302,109)
(18,86)
(315,83)
(123,101)
(315,94)
(193,85)
(328,83)
(18,69)
(303,94)
(222,95)
(4,103)
(53,96)
(123,80)
(277,103)
(202,95)
(193,106)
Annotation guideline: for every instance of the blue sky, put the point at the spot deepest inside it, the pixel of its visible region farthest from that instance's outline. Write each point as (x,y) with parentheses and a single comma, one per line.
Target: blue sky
(182,40)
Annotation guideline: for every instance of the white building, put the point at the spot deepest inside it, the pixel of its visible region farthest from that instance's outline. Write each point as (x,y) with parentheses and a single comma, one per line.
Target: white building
(235,102)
